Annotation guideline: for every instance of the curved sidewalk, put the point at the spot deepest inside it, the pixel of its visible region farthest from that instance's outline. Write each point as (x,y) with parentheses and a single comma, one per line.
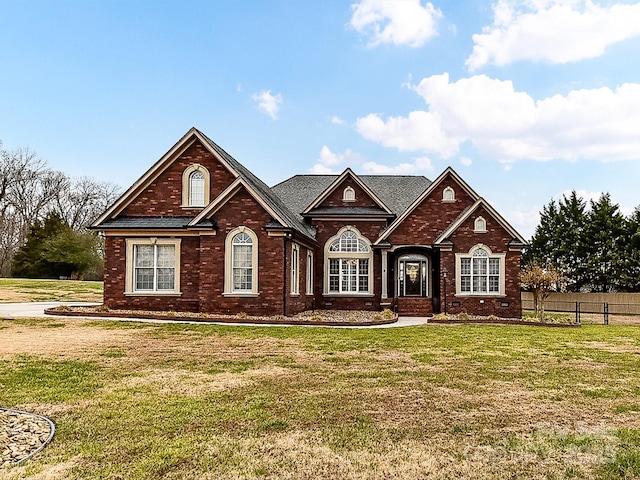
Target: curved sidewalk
(36,310)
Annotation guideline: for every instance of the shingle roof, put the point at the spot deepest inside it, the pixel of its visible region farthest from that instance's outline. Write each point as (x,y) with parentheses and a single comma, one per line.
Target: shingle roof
(153,223)
(267,194)
(396,191)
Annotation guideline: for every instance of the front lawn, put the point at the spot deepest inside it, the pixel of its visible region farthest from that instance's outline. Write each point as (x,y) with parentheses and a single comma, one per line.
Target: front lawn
(146,401)
(33,290)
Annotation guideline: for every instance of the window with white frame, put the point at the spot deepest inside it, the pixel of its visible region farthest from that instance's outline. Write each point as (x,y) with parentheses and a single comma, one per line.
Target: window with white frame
(195,186)
(448,195)
(348,261)
(309,272)
(480,272)
(196,189)
(348,195)
(295,269)
(241,262)
(480,225)
(153,266)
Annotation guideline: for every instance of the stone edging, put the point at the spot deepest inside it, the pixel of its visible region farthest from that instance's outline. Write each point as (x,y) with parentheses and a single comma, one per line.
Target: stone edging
(507,322)
(26,434)
(229,319)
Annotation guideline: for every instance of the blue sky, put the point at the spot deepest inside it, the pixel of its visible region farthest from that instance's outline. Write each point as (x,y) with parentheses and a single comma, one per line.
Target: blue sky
(525,99)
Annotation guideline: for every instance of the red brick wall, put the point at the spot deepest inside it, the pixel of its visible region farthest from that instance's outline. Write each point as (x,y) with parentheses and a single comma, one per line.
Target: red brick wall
(164,195)
(335,198)
(431,217)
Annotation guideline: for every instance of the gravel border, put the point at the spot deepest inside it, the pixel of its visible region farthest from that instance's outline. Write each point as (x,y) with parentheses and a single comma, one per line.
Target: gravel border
(22,435)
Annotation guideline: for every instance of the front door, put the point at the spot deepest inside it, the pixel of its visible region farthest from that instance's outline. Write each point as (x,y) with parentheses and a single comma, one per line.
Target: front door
(412,278)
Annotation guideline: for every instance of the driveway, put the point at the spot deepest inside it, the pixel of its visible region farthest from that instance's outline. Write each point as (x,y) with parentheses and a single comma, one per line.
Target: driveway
(36,310)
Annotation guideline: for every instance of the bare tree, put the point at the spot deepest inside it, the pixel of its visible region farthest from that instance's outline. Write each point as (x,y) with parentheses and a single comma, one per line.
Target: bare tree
(541,280)
(30,190)
(82,200)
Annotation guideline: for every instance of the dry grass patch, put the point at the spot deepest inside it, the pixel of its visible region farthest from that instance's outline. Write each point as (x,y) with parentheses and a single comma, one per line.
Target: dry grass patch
(437,402)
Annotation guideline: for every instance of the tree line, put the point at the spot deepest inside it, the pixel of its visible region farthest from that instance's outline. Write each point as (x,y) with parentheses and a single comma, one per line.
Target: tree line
(44,215)
(594,245)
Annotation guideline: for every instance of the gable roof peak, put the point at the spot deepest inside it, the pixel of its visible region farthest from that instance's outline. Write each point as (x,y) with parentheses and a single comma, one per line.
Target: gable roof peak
(332,187)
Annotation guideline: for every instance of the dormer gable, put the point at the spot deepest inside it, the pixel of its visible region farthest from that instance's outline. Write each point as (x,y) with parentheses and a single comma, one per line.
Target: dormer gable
(480,218)
(347,193)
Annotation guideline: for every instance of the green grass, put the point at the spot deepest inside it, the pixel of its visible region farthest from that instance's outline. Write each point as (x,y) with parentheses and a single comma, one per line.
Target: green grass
(34,290)
(466,401)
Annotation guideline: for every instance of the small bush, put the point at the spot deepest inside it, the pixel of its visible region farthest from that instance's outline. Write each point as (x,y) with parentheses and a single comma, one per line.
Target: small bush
(171,313)
(102,309)
(377,317)
(203,314)
(316,318)
(352,320)
(63,308)
(242,315)
(463,316)
(493,318)
(442,316)
(387,314)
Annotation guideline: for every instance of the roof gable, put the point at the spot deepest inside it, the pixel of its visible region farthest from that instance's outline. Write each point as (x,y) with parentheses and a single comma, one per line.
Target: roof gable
(257,188)
(448,173)
(343,178)
(467,213)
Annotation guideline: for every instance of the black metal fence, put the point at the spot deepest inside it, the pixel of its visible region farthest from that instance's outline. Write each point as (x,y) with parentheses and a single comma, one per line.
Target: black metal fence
(591,312)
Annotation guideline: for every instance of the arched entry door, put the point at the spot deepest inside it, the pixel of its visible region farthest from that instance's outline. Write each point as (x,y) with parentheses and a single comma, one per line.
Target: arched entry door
(412,276)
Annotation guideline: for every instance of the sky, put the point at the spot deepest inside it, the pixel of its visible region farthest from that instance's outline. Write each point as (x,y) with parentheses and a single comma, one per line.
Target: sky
(526,100)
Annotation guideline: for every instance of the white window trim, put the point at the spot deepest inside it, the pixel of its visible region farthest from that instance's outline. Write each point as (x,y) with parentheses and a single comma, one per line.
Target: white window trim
(448,190)
(295,269)
(351,255)
(309,272)
(500,256)
(480,225)
(186,175)
(129,275)
(228,264)
(348,195)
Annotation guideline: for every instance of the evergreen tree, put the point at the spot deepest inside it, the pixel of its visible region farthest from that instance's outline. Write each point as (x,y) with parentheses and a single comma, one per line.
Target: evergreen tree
(630,276)
(605,239)
(29,262)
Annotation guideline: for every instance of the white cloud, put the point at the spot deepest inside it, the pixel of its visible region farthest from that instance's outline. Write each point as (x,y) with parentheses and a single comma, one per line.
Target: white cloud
(405,22)
(328,159)
(337,120)
(466,161)
(556,31)
(524,221)
(502,123)
(267,103)
(419,131)
(419,164)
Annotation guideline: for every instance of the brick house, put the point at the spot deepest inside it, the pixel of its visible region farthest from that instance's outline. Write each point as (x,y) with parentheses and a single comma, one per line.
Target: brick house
(200,232)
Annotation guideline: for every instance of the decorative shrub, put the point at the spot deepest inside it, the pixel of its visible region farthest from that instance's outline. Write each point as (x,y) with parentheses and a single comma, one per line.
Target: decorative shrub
(242,315)
(442,316)
(387,314)
(102,309)
(63,308)
(463,316)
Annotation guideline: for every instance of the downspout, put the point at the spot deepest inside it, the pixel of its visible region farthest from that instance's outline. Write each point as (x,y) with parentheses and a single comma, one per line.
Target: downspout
(284,277)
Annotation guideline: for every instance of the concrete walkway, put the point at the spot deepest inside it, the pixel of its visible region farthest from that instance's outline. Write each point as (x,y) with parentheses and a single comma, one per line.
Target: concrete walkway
(36,310)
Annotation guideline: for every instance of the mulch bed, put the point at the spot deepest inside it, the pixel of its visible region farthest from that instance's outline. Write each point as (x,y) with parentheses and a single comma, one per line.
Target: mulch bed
(507,321)
(329,318)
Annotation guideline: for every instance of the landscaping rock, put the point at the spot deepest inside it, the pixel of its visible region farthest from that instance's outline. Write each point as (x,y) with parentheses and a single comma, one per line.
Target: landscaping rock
(21,435)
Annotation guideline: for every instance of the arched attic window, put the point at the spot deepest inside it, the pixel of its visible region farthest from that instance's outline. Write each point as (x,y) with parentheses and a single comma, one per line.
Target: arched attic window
(480,225)
(448,195)
(349,195)
(195,186)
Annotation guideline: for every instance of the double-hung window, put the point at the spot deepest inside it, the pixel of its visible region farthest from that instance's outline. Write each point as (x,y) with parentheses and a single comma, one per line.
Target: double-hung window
(349,259)
(153,266)
(241,263)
